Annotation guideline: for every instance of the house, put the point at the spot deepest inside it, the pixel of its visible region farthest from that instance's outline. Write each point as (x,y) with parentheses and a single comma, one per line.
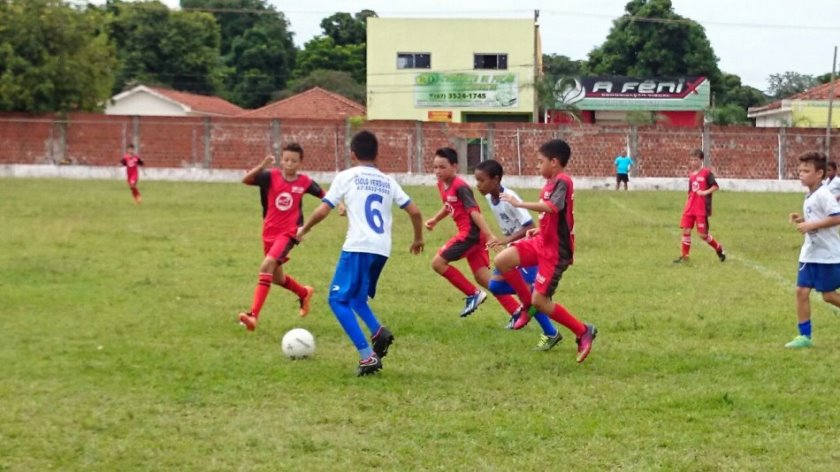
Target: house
(447,69)
(143,100)
(315,103)
(808,109)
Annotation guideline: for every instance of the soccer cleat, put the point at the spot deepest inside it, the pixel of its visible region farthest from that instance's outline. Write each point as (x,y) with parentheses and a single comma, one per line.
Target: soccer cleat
(681,260)
(721,254)
(472,303)
(800,342)
(248,320)
(381,341)
(514,318)
(304,302)
(585,342)
(525,318)
(369,366)
(548,342)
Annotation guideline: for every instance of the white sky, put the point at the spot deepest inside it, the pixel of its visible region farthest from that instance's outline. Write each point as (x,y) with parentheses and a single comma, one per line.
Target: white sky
(752,38)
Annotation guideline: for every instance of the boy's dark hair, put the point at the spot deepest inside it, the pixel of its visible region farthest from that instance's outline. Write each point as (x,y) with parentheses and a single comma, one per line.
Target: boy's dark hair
(698,153)
(557,149)
(130,146)
(816,158)
(294,147)
(449,154)
(492,168)
(365,146)
(832,165)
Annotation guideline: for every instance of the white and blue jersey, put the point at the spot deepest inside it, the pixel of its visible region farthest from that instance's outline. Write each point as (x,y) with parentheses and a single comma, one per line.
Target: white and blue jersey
(510,218)
(819,259)
(367,194)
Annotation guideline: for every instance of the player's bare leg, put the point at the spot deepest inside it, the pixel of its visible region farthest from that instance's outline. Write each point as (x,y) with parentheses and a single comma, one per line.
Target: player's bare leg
(832,298)
(508,302)
(303,292)
(685,246)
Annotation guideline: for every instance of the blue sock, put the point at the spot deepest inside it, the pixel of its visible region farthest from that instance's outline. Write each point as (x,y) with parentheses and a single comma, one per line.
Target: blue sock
(500,287)
(348,321)
(545,324)
(805,328)
(361,307)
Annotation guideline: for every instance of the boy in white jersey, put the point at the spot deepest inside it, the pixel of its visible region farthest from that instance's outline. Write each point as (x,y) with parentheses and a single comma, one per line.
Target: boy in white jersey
(819,259)
(367,194)
(514,223)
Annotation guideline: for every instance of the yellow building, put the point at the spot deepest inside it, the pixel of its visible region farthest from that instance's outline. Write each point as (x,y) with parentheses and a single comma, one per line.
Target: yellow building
(459,70)
(808,109)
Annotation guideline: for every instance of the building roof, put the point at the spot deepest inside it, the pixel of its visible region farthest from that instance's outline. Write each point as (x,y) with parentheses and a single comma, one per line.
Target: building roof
(315,103)
(820,92)
(189,102)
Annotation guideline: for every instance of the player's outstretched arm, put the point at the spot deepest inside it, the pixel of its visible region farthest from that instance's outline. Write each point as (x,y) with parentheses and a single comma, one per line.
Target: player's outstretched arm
(317,216)
(479,221)
(539,206)
(417,223)
(827,222)
(433,221)
(251,177)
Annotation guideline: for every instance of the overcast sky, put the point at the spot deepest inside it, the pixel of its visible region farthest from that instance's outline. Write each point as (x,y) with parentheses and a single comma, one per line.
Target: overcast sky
(752,38)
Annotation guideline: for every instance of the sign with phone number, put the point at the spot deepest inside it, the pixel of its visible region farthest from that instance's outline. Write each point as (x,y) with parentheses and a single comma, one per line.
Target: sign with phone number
(466,90)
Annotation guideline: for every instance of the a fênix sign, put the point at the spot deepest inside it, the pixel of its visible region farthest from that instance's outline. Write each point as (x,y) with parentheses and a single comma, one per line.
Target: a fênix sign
(633,93)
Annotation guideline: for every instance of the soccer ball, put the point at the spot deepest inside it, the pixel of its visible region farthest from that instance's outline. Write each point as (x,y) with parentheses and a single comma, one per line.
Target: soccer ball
(298,344)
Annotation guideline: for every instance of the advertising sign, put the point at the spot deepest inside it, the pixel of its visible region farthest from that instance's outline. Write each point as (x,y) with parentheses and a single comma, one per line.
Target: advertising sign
(633,93)
(466,90)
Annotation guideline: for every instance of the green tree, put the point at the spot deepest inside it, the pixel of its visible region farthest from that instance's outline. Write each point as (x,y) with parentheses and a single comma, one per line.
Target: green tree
(650,39)
(789,83)
(321,52)
(557,66)
(256,46)
(340,82)
(157,46)
(53,57)
(345,29)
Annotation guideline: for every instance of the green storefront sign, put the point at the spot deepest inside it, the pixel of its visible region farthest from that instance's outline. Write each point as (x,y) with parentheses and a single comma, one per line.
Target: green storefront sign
(466,90)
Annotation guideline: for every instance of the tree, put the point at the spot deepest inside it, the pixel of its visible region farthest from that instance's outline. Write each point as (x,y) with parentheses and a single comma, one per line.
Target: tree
(256,47)
(731,104)
(558,67)
(157,46)
(53,57)
(321,52)
(339,82)
(652,40)
(789,83)
(345,29)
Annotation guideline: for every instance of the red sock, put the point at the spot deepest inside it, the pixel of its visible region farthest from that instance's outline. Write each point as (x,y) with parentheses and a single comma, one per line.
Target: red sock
(509,302)
(456,278)
(686,245)
(514,278)
(561,315)
(293,286)
(135,193)
(263,286)
(711,242)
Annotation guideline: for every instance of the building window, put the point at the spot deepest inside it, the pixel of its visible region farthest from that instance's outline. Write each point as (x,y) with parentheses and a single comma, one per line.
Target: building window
(490,61)
(414,60)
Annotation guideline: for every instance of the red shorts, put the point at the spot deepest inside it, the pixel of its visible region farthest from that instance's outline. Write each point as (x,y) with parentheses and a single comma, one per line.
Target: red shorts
(475,252)
(279,248)
(132,180)
(702,222)
(549,268)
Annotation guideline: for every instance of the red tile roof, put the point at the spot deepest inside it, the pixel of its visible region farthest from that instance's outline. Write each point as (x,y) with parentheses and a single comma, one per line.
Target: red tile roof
(315,103)
(820,92)
(201,104)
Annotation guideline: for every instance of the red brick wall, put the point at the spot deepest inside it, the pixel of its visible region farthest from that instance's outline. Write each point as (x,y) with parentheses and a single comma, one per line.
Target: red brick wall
(235,143)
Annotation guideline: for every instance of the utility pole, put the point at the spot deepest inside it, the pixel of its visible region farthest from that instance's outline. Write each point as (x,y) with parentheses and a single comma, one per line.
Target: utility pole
(830,106)
(537,66)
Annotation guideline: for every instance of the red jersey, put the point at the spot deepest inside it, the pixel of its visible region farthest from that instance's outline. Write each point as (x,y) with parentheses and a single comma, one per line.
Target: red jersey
(698,205)
(131,163)
(282,201)
(557,229)
(460,202)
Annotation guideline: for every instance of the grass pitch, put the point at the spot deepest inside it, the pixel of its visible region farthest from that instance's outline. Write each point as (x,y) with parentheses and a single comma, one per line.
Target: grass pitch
(119,350)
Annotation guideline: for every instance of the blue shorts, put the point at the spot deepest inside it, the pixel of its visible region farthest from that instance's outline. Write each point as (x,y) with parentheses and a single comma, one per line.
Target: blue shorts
(820,277)
(356,274)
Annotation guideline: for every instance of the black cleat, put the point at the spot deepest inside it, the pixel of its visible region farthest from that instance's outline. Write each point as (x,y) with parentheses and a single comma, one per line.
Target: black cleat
(369,366)
(681,260)
(382,341)
(721,255)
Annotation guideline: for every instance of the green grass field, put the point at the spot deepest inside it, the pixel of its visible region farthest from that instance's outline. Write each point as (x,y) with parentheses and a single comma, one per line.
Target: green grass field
(119,350)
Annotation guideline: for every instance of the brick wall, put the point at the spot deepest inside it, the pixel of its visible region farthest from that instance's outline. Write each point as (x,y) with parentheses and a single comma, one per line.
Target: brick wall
(405,146)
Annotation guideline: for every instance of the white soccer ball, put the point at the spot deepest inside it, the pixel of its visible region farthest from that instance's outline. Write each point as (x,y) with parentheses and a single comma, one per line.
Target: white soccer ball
(298,344)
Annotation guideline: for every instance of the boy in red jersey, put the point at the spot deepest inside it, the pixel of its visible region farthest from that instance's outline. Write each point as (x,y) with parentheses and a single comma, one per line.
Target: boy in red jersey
(471,241)
(132,161)
(550,247)
(698,207)
(281,193)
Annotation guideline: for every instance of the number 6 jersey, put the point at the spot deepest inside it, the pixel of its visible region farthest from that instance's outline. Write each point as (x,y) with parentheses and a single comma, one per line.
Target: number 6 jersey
(367,194)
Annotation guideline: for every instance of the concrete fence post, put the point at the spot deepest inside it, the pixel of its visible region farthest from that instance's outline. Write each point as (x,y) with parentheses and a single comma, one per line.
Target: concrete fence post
(419,147)
(58,142)
(135,133)
(781,153)
(275,139)
(706,144)
(208,142)
(633,148)
(491,142)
